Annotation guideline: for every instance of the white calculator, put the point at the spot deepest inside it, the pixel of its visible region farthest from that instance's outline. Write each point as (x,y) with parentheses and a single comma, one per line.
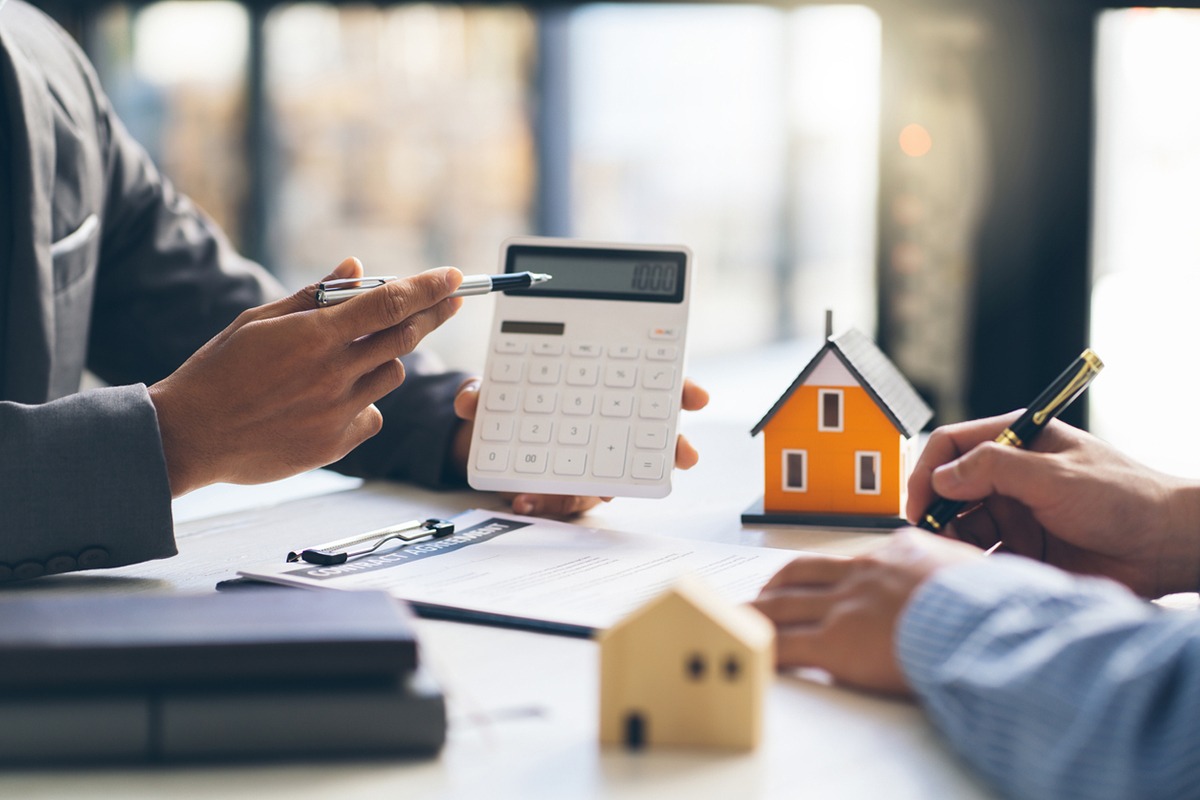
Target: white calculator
(584,373)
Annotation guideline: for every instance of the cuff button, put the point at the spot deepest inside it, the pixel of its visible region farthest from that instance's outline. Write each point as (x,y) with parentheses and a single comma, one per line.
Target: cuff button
(28,569)
(93,558)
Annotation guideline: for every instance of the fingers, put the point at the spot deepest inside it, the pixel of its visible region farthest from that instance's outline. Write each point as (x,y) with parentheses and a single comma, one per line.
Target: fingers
(686,456)
(466,401)
(553,505)
(694,397)
(349,268)
(789,607)
(305,299)
(992,469)
(379,382)
(393,303)
(365,424)
(810,570)
(402,338)
(946,444)
(802,646)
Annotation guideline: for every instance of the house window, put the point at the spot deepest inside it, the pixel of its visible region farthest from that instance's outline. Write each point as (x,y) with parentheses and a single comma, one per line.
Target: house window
(866,473)
(795,470)
(830,410)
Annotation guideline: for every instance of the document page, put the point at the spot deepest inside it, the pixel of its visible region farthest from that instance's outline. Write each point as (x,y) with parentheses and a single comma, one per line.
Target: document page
(524,568)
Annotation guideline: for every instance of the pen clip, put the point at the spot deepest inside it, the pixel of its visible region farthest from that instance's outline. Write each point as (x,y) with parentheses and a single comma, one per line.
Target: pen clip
(1091,367)
(362,283)
(338,289)
(341,551)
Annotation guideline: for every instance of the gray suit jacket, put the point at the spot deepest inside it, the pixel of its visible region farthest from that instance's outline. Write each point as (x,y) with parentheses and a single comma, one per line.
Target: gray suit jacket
(109,268)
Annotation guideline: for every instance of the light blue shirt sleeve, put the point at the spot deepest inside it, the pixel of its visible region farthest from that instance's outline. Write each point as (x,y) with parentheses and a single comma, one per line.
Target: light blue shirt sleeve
(1056,686)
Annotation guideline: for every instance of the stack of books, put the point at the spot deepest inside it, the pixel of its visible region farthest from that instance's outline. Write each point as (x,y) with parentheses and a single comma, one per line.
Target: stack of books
(248,675)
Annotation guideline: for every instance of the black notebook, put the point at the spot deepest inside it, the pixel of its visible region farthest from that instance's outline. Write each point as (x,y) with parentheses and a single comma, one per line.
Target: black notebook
(252,675)
(92,641)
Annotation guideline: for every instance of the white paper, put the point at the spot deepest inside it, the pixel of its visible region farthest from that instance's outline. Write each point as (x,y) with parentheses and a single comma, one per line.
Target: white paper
(536,569)
(226,498)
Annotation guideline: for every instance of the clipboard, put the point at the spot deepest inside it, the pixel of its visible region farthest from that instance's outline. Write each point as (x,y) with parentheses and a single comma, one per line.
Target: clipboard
(535,574)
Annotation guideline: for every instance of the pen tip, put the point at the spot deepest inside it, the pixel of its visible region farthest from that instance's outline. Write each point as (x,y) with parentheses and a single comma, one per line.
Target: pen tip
(541,277)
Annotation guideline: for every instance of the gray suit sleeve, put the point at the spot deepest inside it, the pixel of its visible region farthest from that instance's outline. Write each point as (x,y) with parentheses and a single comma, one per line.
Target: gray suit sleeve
(418,426)
(111,502)
(83,483)
(169,279)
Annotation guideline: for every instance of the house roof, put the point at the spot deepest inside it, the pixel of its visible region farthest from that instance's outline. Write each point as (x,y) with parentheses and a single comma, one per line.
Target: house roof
(743,623)
(875,372)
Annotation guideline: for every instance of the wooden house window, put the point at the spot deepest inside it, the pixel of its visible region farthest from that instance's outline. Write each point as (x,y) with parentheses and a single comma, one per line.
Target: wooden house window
(829,403)
(866,473)
(795,470)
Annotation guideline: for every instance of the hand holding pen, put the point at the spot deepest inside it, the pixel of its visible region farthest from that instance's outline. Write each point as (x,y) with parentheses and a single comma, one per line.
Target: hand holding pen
(332,292)
(1046,406)
(285,389)
(1071,500)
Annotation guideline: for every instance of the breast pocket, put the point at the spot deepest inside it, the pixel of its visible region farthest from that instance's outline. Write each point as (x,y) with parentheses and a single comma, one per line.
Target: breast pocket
(73,254)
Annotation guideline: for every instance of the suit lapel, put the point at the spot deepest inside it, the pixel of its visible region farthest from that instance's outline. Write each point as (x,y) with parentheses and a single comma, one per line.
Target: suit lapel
(29,339)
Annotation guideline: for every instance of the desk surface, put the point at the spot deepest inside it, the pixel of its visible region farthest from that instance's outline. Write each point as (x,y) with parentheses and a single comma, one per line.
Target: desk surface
(523,706)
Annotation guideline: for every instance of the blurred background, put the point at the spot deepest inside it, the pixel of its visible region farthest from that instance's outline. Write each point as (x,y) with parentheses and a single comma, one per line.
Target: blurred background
(985,187)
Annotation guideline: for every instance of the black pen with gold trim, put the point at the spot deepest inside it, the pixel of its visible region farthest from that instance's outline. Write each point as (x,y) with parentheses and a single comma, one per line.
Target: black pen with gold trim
(1048,405)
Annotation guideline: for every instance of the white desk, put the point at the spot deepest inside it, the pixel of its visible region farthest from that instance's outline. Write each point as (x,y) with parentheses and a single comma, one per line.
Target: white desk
(522,706)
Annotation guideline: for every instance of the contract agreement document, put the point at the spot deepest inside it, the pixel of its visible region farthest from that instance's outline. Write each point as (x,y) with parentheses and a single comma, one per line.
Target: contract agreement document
(536,573)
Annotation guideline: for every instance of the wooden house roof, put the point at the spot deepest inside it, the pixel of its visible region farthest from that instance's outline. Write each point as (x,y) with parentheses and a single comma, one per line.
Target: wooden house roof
(876,373)
(742,623)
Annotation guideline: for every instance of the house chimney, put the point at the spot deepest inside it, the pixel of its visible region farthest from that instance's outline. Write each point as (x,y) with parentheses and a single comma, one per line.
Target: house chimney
(828,323)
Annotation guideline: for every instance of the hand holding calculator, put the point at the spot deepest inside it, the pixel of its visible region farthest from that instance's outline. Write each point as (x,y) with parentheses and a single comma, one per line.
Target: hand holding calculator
(582,386)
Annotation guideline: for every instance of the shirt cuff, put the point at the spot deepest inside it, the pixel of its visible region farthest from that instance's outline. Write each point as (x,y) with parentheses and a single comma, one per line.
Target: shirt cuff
(957,600)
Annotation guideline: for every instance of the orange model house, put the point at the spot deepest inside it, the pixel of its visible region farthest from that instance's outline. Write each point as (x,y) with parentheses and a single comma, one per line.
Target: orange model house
(838,444)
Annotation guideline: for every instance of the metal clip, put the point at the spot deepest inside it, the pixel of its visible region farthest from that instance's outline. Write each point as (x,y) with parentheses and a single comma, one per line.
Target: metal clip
(342,550)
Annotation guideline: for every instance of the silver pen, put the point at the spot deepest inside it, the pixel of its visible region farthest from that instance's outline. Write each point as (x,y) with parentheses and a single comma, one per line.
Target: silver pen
(342,289)
(342,550)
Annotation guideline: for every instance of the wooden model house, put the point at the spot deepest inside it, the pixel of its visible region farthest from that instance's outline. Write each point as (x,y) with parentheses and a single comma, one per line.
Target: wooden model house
(838,445)
(688,669)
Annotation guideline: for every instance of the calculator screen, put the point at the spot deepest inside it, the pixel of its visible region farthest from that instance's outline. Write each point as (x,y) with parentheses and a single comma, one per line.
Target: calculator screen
(652,276)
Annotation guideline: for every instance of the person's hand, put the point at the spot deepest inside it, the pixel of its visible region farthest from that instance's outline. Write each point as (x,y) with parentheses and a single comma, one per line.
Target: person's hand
(840,614)
(466,403)
(288,386)
(1070,500)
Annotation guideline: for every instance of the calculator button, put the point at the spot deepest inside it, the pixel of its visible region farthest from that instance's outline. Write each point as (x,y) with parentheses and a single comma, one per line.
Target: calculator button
(655,405)
(544,372)
(648,466)
(571,432)
(624,351)
(548,348)
(659,377)
(511,347)
(506,370)
(650,436)
(582,374)
(531,460)
(578,403)
(496,428)
(616,404)
(611,441)
(535,430)
(501,399)
(585,350)
(492,458)
(662,352)
(569,461)
(541,401)
(664,333)
(620,375)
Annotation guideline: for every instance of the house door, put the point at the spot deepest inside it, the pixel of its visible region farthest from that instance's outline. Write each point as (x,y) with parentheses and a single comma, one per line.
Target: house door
(635,730)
